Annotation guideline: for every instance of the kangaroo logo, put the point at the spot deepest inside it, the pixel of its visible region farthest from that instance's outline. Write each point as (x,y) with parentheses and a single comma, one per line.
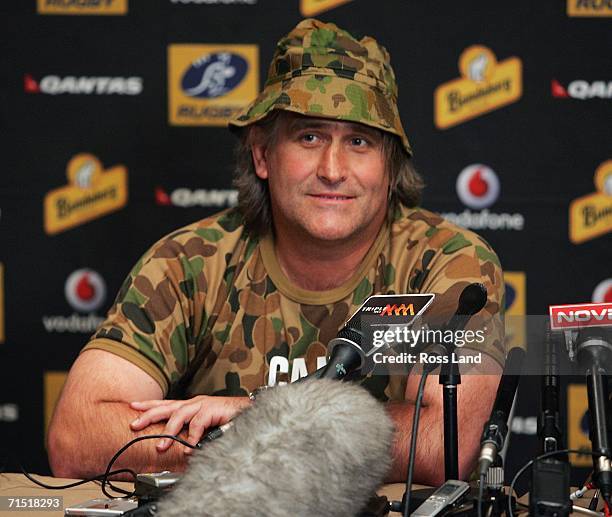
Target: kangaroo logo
(214,75)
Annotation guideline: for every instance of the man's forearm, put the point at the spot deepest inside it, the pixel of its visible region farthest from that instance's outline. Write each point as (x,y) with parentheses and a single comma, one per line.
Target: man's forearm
(429,462)
(82,443)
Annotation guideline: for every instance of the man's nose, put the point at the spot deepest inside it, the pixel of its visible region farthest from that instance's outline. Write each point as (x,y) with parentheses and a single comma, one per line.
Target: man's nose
(332,166)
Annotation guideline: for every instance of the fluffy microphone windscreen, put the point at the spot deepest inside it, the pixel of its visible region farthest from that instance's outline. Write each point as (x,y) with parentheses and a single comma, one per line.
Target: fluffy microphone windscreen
(316,448)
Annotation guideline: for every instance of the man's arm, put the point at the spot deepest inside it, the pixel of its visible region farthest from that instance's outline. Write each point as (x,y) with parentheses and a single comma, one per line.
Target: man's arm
(475,397)
(93,418)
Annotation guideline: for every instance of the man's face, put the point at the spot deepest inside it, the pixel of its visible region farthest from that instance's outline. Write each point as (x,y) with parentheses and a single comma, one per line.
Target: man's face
(327,178)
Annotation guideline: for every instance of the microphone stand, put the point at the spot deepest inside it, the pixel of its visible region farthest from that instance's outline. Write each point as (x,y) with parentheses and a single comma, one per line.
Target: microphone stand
(594,354)
(450,378)
(550,477)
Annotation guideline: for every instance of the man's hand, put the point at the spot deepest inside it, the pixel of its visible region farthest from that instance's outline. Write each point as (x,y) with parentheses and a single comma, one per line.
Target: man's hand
(199,413)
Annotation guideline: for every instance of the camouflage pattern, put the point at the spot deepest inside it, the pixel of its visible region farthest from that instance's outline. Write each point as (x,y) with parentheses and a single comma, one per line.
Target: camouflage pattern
(207,308)
(322,71)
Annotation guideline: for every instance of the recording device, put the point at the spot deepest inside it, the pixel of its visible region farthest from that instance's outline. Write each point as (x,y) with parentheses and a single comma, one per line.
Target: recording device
(102,507)
(587,329)
(317,447)
(496,428)
(550,482)
(449,494)
(153,485)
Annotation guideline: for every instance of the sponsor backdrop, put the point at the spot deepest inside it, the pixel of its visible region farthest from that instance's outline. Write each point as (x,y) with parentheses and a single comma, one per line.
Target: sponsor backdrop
(113,116)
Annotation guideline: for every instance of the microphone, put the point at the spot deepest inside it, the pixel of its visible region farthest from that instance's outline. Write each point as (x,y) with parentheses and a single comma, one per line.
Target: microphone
(309,448)
(589,341)
(496,428)
(349,352)
(472,300)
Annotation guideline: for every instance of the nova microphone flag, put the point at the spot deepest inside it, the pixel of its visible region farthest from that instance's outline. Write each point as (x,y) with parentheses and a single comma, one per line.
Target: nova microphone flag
(575,316)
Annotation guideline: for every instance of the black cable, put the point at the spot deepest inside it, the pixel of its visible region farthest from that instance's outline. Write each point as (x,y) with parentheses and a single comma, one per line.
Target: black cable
(127,446)
(538,458)
(480,493)
(413,438)
(76,483)
(595,500)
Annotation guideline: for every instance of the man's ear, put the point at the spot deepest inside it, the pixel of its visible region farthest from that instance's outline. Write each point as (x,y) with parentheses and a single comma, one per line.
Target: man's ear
(260,158)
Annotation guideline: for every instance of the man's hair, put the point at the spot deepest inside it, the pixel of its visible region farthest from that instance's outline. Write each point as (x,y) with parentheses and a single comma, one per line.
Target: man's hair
(405,183)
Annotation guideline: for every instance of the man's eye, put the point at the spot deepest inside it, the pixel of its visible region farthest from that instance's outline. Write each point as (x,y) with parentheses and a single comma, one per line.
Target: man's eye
(309,138)
(359,142)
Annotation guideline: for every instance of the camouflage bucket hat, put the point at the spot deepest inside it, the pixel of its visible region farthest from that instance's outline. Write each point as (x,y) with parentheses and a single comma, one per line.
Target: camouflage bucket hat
(320,70)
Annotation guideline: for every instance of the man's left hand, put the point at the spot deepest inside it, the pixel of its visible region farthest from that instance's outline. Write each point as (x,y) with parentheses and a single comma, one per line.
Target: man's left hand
(199,413)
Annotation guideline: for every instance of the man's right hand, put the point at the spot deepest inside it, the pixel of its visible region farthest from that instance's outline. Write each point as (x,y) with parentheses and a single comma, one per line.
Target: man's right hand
(199,413)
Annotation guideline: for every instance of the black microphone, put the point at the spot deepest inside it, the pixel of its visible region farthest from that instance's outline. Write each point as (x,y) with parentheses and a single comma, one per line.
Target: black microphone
(318,447)
(496,428)
(346,353)
(349,353)
(472,300)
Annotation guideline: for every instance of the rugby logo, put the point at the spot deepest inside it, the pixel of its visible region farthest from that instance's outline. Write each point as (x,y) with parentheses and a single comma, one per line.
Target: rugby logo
(603,292)
(85,290)
(214,75)
(478,186)
(210,84)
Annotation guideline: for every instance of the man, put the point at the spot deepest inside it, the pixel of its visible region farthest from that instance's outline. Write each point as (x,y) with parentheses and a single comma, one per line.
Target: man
(252,296)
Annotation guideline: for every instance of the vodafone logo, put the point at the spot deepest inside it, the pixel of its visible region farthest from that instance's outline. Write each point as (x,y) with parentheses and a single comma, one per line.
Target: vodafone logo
(603,292)
(581,89)
(85,290)
(478,186)
(84,85)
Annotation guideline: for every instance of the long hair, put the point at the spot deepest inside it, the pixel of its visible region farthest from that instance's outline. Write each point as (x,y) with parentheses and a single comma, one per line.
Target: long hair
(405,183)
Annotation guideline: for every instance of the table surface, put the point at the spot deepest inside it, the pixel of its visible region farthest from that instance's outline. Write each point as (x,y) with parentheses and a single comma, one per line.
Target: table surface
(17,485)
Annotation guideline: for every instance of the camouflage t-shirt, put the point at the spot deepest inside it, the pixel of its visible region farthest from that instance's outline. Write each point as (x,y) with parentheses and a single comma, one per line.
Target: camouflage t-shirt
(207,310)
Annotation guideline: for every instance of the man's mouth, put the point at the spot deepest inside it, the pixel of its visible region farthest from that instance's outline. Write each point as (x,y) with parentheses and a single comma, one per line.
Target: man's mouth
(332,197)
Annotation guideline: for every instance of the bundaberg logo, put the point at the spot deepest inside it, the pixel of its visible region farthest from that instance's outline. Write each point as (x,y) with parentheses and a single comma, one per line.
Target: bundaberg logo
(515,309)
(210,84)
(91,192)
(314,7)
(485,85)
(589,8)
(98,7)
(590,216)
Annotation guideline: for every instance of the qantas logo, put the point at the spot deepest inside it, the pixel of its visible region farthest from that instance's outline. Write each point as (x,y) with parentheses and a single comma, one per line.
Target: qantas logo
(187,198)
(582,90)
(580,315)
(84,85)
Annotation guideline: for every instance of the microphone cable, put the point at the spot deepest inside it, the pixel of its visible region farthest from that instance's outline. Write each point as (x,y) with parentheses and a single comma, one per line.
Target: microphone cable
(413,438)
(103,478)
(107,473)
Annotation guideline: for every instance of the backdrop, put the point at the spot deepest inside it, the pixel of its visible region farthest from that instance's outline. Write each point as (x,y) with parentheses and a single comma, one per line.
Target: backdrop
(113,135)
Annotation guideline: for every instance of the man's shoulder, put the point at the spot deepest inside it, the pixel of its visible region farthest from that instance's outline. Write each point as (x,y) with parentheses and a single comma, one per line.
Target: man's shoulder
(425,229)
(220,231)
